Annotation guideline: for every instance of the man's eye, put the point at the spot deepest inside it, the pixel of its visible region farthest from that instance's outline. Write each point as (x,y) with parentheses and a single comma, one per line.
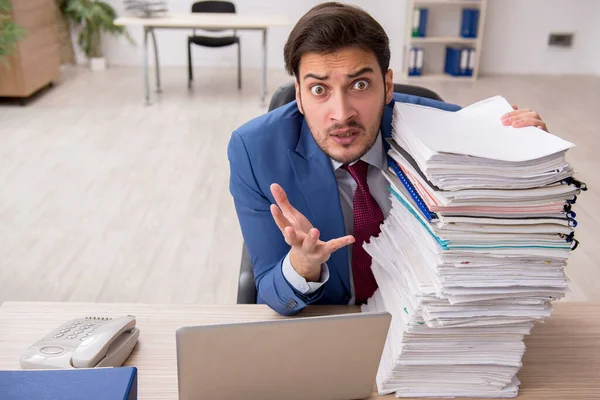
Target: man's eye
(361,85)
(317,90)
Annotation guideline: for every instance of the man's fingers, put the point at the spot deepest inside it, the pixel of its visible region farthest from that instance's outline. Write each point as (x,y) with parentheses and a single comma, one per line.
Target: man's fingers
(311,240)
(520,115)
(336,244)
(514,106)
(530,122)
(282,199)
(291,236)
(509,117)
(279,218)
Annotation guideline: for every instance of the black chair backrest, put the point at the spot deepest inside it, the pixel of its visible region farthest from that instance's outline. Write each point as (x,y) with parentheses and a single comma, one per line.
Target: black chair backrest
(213,7)
(287,92)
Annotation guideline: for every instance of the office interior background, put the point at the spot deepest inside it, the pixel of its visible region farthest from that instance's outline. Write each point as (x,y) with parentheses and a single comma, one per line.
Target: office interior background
(104,198)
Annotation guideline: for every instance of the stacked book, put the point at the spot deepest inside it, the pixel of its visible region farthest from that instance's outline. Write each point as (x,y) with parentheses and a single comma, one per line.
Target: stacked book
(473,251)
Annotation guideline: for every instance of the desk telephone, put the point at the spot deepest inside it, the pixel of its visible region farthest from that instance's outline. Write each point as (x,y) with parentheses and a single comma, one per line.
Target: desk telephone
(84,343)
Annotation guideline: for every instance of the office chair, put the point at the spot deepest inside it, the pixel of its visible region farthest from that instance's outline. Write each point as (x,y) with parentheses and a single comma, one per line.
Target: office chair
(283,95)
(213,41)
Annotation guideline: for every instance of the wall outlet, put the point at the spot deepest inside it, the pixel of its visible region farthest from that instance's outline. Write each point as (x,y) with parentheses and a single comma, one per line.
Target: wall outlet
(560,39)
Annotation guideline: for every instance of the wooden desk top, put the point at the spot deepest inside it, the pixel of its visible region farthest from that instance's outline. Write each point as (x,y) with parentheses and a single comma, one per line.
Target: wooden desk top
(562,360)
(207,21)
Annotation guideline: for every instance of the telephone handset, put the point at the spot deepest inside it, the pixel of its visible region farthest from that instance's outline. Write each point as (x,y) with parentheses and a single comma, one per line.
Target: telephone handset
(84,343)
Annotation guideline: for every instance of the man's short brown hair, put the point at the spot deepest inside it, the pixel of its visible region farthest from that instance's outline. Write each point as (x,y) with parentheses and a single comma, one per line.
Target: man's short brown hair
(329,27)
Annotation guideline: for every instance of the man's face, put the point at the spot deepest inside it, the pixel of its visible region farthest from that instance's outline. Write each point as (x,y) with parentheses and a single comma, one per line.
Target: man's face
(342,96)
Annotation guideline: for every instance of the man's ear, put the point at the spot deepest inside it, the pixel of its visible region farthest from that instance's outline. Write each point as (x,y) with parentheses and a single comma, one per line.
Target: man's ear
(389,85)
(298,97)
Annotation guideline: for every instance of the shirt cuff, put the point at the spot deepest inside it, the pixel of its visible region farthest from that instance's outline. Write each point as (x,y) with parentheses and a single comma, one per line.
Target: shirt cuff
(298,282)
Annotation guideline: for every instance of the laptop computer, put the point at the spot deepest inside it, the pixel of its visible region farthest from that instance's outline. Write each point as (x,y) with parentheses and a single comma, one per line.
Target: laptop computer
(332,357)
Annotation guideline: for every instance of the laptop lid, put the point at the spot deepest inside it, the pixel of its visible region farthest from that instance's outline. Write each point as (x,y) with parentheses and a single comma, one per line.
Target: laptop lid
(329,358)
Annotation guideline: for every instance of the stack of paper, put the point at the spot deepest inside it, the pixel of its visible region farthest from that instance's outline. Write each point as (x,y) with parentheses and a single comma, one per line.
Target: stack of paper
(473,251)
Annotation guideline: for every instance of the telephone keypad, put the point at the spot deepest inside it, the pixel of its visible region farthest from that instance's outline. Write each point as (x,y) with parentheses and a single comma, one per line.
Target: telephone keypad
(78,330)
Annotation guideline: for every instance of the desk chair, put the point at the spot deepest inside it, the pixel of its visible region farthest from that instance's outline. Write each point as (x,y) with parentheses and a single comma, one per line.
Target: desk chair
(283,95)
(213,41)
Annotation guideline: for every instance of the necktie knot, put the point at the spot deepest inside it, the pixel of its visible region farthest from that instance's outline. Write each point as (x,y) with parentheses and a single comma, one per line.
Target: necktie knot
(358,171)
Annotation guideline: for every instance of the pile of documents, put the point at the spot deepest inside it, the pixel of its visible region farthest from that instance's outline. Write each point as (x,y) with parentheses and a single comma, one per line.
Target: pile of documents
(473,251)
(146,8)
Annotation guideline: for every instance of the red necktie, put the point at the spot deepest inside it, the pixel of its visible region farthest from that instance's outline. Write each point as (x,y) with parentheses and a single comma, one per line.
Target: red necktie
(367,220)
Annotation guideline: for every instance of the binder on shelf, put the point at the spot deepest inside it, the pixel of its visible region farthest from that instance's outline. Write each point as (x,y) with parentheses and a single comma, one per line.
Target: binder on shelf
(423,22)
(469,22)
(464,62)
(452,65)
(415,22)
(459,61)
(419,62)
(412,61)
(419,22)
(471,66)
(415,61)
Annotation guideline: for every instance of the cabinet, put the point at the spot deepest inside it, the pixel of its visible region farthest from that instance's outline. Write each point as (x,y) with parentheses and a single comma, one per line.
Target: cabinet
(443,29)
(35,63)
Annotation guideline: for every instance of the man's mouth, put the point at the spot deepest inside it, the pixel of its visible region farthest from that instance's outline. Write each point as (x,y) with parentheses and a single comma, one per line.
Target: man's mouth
(344,132)
(345,137)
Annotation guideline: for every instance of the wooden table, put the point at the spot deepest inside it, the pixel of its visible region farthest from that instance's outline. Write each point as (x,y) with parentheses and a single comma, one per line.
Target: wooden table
(202,21)
(562,359)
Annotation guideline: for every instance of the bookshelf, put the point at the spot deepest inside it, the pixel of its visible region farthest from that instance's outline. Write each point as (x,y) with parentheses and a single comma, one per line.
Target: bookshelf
(443,29)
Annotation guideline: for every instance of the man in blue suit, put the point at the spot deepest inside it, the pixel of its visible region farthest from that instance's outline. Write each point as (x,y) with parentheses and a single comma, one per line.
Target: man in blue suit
(306,178)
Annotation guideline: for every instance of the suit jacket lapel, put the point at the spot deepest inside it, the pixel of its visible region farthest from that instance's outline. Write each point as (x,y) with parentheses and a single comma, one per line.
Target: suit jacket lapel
(386,124)
(318,184)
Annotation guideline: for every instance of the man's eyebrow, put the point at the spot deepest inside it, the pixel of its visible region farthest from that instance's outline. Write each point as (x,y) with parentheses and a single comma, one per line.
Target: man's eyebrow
(351,76)
(320,78)
(362,71)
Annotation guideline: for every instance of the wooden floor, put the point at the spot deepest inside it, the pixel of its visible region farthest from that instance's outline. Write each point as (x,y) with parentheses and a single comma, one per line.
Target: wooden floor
(104,199)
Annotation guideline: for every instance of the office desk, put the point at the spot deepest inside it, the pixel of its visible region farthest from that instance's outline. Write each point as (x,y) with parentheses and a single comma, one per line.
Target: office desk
(562,359)
(202,21)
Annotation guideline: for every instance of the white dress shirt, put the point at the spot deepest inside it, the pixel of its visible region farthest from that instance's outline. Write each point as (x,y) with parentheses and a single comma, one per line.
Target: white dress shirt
(376,158)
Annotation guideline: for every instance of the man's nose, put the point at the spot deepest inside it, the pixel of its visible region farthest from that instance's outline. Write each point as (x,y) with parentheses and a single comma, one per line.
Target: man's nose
(342,109)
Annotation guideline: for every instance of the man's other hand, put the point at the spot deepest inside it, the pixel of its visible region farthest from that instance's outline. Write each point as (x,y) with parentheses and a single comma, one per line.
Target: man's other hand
(524,117)
(308,251)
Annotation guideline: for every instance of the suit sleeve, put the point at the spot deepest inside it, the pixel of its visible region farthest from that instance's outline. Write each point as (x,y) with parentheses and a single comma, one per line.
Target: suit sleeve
(265,243)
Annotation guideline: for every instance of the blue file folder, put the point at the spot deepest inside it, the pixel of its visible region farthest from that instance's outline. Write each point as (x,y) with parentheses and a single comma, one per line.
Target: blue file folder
(452,65)
(469,22)
(422,32)
(71,384)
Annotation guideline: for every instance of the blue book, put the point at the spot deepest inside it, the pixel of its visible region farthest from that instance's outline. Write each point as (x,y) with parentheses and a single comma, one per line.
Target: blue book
(422,31)
(70,384)
(453,58)
(465,28)
(474,22)
(469,22)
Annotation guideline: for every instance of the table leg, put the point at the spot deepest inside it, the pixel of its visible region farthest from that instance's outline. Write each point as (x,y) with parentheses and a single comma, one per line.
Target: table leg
(156,63)
(263,75)
(145,67)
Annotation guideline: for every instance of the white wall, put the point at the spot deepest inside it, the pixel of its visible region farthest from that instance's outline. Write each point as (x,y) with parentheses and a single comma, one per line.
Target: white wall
(516,37)
(173,45)
(515,41)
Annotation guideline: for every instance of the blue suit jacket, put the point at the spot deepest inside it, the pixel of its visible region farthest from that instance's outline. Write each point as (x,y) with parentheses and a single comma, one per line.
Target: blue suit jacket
(278,147)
